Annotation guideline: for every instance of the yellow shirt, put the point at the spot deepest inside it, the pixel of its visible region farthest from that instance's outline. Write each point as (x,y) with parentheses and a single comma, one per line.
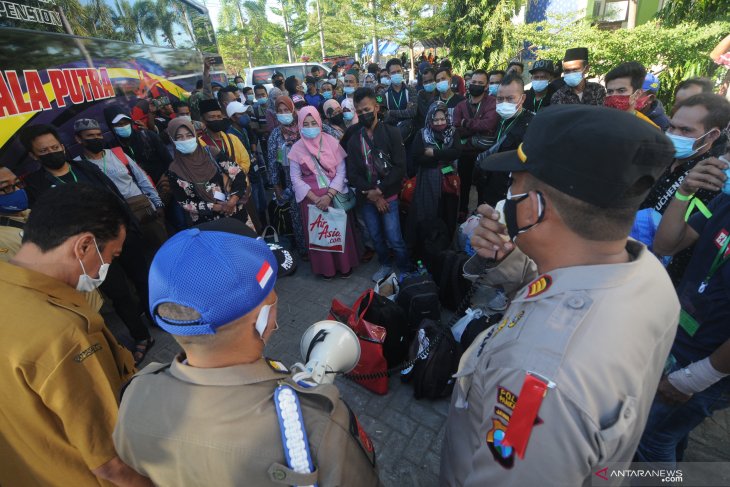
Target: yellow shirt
(61,373)
(235,150)
(645,118)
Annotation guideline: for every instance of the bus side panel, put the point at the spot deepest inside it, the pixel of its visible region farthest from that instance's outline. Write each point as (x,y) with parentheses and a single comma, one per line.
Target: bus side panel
(56,79)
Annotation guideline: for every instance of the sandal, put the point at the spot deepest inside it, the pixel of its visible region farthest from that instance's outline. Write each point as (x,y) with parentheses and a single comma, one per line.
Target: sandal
(141,348)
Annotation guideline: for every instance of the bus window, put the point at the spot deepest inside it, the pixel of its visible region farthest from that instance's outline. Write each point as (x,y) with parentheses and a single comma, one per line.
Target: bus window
(262,76)
(297,71)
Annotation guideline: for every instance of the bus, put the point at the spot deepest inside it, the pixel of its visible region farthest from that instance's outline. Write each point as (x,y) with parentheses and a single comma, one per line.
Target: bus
(61,60)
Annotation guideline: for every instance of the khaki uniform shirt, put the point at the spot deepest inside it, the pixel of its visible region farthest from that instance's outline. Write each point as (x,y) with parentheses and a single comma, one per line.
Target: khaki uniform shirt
(186,426)
(600,333)
(11,236)
(61,374)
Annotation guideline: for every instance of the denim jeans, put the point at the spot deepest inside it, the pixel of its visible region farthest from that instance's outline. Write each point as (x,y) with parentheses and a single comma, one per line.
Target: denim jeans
(384,227)
(669,425)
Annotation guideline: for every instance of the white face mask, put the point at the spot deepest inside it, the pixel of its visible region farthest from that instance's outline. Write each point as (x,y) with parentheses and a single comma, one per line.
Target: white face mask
(86,282)
(506,109)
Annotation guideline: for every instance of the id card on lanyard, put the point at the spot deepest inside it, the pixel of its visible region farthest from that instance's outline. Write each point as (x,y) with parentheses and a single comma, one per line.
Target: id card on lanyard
(688,323)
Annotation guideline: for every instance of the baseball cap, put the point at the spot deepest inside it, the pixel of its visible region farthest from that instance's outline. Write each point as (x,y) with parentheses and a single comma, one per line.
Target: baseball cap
(651,83)
(543,65)
(219,274)
(120,116)
(85,124)
(594,154)
(235,107)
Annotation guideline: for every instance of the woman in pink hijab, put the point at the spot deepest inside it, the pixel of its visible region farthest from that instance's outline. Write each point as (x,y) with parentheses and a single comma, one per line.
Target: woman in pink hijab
(317,168)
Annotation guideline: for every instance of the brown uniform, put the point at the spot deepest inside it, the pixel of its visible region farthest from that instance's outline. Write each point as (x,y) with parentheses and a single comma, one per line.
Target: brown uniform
(61,374)
(186,426)
(600,334)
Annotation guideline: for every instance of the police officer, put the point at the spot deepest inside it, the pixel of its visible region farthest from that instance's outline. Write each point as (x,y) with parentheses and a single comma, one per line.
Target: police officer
(563,384)
(215,416)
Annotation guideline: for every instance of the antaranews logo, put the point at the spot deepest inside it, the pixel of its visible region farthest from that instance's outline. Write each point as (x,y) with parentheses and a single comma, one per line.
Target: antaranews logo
(639,475)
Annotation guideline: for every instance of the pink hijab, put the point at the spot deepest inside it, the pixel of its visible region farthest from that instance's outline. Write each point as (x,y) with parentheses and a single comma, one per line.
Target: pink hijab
(330,152)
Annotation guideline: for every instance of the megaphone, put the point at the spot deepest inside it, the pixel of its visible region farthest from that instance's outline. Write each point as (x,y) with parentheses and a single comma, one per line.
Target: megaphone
(328,348)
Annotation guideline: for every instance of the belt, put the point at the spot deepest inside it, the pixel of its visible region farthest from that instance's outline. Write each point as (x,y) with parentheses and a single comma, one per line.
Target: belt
(9,222)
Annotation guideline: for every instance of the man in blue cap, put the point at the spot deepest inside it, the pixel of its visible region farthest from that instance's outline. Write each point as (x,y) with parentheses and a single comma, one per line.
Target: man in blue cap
(210,416)
(650,105)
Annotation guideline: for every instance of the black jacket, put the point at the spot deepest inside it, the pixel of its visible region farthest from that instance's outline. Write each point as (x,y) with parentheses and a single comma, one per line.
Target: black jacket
(387,140)
(144,146)
(514,130)
(440,156)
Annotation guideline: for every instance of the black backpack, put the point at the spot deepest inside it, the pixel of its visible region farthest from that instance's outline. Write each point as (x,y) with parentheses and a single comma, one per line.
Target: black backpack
(449,276)
(432,371)
(419,298)
(386,313)
(280,218)
(433,238)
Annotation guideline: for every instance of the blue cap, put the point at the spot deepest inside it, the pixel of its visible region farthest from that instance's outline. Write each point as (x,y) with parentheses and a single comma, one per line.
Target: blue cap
(221,275)
(651,83)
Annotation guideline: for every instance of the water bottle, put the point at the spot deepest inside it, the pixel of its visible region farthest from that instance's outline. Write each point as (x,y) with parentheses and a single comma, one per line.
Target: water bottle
(726,186)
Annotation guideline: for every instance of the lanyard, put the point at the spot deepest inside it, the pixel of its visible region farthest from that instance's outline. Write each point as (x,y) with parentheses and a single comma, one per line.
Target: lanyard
(501,126)
(70,169)
(400,98)
(446,102)
(537,108)
(717,262)
(322,181)
(366,154)
(695,202)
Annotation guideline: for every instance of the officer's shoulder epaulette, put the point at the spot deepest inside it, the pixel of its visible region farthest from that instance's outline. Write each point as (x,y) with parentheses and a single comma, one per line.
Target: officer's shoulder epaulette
(322,393)
(277,366)
(151,369)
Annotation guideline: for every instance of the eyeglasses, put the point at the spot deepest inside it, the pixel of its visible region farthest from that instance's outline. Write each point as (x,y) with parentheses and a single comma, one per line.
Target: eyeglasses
(12,187)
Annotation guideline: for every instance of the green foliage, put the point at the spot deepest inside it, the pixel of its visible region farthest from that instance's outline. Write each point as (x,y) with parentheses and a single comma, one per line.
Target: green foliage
(701,11)
(481,33)
(675,52)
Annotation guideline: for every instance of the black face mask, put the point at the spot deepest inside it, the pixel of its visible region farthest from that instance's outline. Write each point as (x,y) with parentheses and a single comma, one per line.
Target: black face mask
(337,119)
(510,215)
(94,145)
(218,125)
(367,119)
(278,83)
(53,160)
(476,90)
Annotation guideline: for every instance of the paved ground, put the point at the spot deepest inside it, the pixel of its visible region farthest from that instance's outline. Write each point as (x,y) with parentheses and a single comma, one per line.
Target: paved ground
(407,433)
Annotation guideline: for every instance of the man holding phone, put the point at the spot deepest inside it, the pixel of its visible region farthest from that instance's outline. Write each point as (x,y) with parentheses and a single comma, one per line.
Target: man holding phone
(576,360)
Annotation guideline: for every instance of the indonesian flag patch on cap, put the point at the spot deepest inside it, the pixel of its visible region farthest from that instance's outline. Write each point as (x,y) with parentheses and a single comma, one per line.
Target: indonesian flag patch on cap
(264,274)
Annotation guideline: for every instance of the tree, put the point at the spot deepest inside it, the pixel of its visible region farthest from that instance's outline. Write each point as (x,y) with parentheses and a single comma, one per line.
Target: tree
(124,17)
(481,30)
(700,11)
(165,21)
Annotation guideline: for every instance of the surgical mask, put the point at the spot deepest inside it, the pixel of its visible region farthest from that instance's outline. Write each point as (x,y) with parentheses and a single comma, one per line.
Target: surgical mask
(218,125)
(285,118)
(369,84)
(341,78)
(186,146)
(429,87)
(94,145)
(250,98)
(443,86)
(14,202)
(244,120)
(124,131)
(348,116)
(53,160)
(310,132)
(684,146)
(86,282)
(349,90)
(642,102)
(510,213)
(385,81)
(493,89)
(573,79)
(185,117)
(396,79)
(263,101)
(619,102)
(327,95)
(240,86)
(726,186)
(506,109)
(540,85)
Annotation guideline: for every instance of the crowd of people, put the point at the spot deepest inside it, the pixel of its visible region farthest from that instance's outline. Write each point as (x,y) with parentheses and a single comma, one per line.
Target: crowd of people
(166,213)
